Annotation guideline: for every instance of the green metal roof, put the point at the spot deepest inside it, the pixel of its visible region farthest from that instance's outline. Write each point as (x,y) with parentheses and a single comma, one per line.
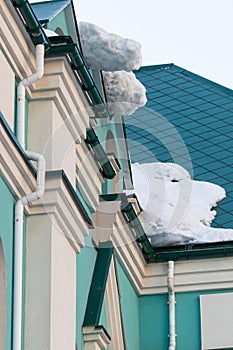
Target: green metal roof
(45,11)
(199,112)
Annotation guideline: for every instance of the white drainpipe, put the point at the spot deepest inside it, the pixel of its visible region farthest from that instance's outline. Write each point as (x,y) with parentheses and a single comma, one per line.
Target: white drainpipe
(171,302)
(20,127)
(19,208)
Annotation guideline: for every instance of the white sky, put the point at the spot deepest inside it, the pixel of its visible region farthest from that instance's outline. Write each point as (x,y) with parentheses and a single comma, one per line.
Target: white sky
(193,34)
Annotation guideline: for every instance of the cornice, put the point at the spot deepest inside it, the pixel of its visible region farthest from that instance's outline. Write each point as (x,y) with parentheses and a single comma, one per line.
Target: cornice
(17,171)
(61,204)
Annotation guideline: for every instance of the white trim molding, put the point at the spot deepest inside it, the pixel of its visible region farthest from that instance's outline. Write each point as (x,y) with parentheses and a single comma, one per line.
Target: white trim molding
(95,338)
(14,165)
(113,310)
(61,205)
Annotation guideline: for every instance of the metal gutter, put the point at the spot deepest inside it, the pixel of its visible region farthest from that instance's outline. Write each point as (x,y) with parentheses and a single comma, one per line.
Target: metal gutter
(65,45)
(93,141)
(98,285)
(132,218)
(193,251)
(164,254)
(32,24)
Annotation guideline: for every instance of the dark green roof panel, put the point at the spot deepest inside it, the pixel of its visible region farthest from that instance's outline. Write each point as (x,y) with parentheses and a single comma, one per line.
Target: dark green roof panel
(47,10)
(201,113)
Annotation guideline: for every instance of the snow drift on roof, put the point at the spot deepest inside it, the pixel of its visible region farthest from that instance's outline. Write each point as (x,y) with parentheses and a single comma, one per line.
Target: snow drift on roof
(108,52)
(124,92)
(176,209)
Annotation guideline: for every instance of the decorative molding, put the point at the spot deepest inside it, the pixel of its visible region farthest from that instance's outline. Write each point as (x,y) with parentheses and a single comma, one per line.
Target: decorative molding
(95,338)
(15,41)
(113,310)
(58,199)
(14,166)
(59,84)
(59,203)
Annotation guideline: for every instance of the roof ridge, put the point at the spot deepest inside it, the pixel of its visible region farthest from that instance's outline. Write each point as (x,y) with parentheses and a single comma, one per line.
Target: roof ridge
(156,66)
(33,2)
(186,72)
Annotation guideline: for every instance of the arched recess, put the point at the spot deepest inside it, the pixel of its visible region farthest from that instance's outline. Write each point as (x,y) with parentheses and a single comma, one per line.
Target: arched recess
(59,31)
(2,298)
(112,150)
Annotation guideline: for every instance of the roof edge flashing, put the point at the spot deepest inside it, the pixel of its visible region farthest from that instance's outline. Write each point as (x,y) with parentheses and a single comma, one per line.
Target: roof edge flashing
(65,45)
(127,208)
(32,24)
(107,168)
(155,66)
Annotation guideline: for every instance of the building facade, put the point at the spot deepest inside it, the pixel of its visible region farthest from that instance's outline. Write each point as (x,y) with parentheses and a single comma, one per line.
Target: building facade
(77,270)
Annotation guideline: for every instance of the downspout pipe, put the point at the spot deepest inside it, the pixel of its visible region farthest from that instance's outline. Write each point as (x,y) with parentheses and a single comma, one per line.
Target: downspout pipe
(29,198)
(98,284)
(132,218)
(171,302)
(18,247)
(20,127)
(93,140)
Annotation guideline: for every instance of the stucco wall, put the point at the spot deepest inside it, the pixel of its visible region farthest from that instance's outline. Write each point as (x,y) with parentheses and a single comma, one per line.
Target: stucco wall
(85,263)
(6,234)
(7,90)
(130,310)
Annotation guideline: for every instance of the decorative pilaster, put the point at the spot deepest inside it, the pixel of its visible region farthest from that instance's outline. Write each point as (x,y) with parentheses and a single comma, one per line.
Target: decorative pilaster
(95,338)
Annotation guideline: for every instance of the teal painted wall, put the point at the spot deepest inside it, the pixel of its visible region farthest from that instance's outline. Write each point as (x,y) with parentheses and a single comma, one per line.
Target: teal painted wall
(59,22)
(153,320)
(7,203)
(89,210)
(101,131)
(130,310)
(85,266)
(188,321)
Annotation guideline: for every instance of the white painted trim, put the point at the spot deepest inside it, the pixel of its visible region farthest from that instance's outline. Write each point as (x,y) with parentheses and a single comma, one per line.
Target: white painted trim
(58,204)
(15,41)
(95,338)
(59,84)
(14,166)
(113,310)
